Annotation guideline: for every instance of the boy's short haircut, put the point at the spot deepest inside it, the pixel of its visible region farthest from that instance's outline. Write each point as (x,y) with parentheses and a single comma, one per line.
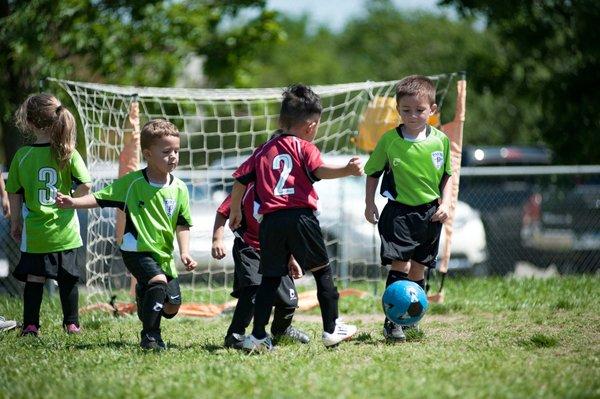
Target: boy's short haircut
(416,85)
(299,104)
(156,129)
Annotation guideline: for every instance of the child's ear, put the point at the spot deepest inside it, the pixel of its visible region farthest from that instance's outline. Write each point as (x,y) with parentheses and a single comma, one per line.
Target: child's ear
(146,153)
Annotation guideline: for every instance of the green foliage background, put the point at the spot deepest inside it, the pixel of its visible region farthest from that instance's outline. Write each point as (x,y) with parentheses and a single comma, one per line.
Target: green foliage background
(532,67)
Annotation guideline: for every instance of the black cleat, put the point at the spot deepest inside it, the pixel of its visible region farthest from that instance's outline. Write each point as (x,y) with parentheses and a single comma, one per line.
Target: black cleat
(234,341)
(152,341)
(293,334)
(393,331)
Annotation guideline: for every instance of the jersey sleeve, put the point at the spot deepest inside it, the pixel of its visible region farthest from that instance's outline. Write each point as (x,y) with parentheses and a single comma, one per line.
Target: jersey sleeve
(246,172)
(13,184)
(375,166)
(114,195)
(79,171)
(312,159)
(447,156)
(184,218)
(225,208)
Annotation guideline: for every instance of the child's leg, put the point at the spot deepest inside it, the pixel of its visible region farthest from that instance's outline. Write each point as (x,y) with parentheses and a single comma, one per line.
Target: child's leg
(286,303)
(417,273)
(265,297)
(328,296)
(69,299)
(172,299)
(32,300)
(244,310)
(153,303)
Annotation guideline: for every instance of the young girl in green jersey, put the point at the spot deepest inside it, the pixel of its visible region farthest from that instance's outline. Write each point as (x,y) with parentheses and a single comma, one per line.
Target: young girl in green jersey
(49,236)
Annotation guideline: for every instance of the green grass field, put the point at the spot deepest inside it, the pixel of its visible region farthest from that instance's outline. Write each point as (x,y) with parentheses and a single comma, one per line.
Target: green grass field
(491,338)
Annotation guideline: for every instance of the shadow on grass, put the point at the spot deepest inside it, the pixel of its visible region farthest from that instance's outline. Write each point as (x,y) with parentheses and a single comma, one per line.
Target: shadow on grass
(104,345)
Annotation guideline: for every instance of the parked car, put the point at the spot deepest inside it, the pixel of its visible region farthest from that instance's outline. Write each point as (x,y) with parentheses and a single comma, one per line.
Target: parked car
(488,185)
(561,226)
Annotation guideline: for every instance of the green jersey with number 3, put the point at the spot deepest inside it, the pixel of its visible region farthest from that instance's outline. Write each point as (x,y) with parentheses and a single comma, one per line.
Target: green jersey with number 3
(35,174)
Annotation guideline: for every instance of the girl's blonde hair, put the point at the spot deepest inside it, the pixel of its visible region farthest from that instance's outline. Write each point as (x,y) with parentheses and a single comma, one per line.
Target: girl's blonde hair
(42,113)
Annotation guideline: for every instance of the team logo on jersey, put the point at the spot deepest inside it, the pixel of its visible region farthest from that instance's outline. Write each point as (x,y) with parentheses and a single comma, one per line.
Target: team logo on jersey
(170,206)
(396,161)
(437,157)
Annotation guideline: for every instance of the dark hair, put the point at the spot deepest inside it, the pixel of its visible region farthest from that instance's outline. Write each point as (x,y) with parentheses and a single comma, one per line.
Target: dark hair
(416,85)
(44,113)
(156,129)
(299,104)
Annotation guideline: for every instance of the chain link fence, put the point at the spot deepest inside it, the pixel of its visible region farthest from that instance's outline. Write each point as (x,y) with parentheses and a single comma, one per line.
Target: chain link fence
(541,216)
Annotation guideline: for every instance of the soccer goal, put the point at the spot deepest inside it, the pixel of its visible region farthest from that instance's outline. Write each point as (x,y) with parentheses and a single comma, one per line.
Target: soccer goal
(219,129)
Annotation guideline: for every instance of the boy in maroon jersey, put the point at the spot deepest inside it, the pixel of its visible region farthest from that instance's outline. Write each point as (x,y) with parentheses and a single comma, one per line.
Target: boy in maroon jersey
(284,170)
(246,255)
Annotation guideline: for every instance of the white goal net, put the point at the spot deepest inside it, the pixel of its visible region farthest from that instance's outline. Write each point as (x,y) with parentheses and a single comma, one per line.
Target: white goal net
(219,129)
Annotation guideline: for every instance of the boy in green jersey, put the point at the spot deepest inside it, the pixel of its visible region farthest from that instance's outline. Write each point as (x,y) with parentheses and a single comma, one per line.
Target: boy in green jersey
(48,236)
(414,159)
(156,206)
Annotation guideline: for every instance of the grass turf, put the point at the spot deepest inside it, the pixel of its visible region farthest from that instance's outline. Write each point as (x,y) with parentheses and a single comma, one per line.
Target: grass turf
(491,338)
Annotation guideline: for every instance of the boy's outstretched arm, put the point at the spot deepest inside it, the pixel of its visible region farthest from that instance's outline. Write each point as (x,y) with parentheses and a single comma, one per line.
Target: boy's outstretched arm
(67,202)
(218,249)
(183,239)
(352,168)
(235,214)
(371,211)
(82,190)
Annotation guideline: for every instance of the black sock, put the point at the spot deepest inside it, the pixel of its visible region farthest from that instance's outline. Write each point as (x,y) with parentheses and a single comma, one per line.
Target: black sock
(244,310)
(328,296)
(140,291)
(395,275)
(421,283)
(282,319)
(69,300)
(154,300)
(265,297)
(32,301)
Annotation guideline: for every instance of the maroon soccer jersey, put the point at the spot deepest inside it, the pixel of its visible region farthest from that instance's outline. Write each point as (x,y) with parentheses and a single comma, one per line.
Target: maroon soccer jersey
(248,231)
(283,171)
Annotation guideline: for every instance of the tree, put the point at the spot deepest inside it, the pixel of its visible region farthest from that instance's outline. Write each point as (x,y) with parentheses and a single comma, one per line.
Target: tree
(141,42)
(385,43)
(553,49)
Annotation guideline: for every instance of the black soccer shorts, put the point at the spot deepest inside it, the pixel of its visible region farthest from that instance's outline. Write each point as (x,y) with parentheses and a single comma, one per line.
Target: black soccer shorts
(407,232)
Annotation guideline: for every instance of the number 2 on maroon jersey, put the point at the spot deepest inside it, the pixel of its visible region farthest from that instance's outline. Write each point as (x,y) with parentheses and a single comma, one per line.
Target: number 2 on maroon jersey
(283,162)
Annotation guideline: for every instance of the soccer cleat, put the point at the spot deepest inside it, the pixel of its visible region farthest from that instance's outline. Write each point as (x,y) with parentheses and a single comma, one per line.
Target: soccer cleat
(341,333)
(252,344)
(234,341)
(6,325)
(295,335)
(30,329)
(72,328)
(152,341)
(393,331)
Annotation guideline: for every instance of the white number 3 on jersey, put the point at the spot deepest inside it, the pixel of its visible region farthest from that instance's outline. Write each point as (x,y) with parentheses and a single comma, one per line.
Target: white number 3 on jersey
(286,169)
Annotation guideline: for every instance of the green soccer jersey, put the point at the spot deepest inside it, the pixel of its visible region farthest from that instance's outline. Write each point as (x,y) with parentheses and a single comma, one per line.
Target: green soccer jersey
(413,170)
(152,214)
(35,174)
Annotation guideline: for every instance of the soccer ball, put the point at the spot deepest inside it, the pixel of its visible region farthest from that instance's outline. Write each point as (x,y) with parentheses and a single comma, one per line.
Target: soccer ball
(404,302)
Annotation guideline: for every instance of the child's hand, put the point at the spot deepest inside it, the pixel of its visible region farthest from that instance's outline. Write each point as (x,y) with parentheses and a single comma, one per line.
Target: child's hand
(15,231)
(188,262)
(235,218)
(218,249)
(442,213)
(354,167)
(294,268)
(372,213)
(5,207)
(64,201)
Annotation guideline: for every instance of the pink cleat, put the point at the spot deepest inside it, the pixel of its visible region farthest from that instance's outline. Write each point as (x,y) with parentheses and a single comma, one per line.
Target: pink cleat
(72,328)
(30,329)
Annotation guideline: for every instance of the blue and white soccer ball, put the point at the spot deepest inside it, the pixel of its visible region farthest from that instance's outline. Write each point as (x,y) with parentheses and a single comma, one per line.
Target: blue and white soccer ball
(404,302)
